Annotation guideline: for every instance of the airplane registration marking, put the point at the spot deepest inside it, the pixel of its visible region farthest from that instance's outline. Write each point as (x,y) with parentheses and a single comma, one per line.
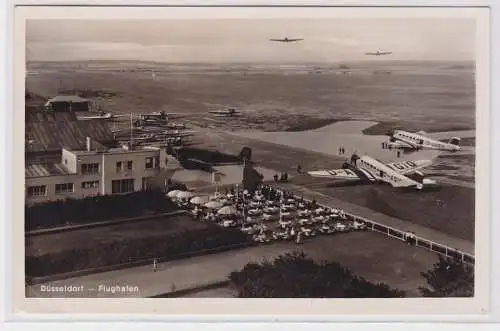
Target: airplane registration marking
(342,172)
(404,165)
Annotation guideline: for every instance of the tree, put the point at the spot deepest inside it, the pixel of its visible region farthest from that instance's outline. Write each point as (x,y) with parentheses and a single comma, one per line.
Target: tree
(449,277)
(245,154)
(294,275)
(251,178)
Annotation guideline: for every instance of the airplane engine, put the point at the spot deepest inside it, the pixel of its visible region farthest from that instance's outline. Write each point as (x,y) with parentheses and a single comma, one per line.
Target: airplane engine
(420,177)
(454,141)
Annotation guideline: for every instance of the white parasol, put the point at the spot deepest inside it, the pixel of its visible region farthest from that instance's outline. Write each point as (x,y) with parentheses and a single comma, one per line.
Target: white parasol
(198,200)
(173,194)
(185,195)
(213,205)
(227,210)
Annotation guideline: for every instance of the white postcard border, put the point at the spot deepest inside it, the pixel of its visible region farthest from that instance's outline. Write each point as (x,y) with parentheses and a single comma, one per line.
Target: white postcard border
(267,307)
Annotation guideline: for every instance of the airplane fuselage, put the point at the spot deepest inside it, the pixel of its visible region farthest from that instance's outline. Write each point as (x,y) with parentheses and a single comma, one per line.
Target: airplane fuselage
(374,170)
(223,113)
(416,141)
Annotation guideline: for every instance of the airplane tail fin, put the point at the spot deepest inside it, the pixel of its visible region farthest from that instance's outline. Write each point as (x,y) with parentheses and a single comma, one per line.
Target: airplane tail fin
(454,141)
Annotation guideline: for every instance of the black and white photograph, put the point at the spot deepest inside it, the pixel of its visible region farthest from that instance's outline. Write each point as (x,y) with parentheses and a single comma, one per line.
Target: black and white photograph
(265,156)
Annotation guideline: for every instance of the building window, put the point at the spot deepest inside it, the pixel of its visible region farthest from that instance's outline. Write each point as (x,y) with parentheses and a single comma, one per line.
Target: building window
(129,165)
(90,184)
(90,168)
(119,166)
(37,191)
(122,186)
(149,162)
(64,188)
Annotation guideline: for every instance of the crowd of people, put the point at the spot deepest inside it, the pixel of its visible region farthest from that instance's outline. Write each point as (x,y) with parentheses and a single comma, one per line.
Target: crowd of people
(269,214)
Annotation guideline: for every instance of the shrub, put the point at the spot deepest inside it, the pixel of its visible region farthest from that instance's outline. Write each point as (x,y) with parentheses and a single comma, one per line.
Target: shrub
(124,251)
(94,209)
(449,277)
(293,275)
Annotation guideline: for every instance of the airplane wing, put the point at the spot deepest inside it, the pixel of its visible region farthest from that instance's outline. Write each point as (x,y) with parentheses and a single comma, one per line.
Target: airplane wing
(345,174)
(277,39)
(295,39)
(407,167)
(403,144)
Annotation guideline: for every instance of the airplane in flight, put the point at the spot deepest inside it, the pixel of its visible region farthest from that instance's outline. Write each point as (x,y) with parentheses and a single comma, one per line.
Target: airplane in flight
(400,139)
(227,112)
(287,40)
(378,53)
(368,169)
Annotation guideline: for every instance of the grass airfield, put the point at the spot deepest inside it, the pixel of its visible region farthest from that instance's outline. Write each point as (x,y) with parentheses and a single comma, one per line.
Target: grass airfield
(287,119)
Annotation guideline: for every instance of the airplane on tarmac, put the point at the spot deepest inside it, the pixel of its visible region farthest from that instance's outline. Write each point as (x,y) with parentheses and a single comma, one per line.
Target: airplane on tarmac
(417,141)
(370,170)
(378,53)
(227,112)
(287,40)
(97,116)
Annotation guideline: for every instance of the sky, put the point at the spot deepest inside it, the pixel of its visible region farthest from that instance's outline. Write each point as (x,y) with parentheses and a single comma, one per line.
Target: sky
(247,40)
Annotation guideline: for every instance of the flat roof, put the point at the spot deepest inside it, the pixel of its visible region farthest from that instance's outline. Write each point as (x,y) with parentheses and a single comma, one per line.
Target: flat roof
(67,98)
(114,150)
(45,170)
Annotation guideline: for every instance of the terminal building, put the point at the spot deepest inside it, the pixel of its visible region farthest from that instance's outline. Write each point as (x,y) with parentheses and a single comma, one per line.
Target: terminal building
(97,171)
(67,158)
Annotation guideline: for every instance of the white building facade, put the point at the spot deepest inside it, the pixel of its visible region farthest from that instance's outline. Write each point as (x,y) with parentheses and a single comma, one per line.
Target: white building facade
(95,172)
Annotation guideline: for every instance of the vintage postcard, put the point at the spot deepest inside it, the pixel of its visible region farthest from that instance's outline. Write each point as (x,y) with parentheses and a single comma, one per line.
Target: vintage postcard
(178,161)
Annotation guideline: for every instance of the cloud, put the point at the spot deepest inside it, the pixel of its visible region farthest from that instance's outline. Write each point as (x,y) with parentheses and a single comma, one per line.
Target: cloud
(248,40)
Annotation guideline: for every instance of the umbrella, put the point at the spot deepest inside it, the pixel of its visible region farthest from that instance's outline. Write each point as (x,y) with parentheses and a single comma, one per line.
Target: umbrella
(216,196)
(198,200)
(185,195)
(227,210)
(173,194)
(213,205)
(226,202)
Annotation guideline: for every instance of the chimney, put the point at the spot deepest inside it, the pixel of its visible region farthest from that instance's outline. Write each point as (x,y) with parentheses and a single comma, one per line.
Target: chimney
(89,144)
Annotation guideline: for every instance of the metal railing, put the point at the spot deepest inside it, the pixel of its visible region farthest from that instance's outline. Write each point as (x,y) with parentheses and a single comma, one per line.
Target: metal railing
(418,241)
(401,235)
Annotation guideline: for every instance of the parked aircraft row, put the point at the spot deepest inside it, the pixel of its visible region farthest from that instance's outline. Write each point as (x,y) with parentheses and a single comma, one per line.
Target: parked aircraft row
(371,170)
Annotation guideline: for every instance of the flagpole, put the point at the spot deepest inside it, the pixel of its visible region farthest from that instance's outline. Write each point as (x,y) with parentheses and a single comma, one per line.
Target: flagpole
(131,132)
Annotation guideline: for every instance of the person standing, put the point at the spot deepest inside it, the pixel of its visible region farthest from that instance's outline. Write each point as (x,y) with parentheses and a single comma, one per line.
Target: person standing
(155,264)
